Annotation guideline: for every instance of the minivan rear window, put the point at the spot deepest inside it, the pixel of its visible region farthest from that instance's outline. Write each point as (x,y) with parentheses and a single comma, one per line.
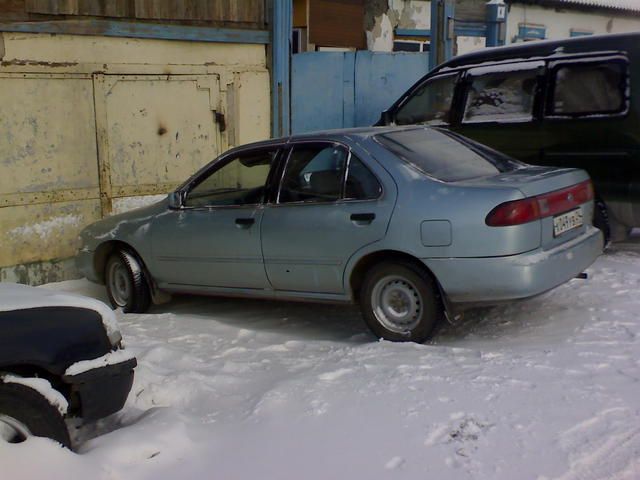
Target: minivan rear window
(430,103)
(441,155)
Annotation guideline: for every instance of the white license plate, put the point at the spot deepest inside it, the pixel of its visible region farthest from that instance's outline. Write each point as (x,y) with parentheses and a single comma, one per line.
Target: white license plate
(567,221)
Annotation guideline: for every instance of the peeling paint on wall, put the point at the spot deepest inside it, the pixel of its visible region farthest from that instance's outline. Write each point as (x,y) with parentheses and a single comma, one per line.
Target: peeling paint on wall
(46,228)
(382,17)
(38,273)
(121,205)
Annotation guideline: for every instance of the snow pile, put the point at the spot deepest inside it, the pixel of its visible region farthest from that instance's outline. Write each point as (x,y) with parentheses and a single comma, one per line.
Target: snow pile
(234,389)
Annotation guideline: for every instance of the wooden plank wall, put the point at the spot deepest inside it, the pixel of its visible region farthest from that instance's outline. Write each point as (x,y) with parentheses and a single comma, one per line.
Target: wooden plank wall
(337,23)
(246,13)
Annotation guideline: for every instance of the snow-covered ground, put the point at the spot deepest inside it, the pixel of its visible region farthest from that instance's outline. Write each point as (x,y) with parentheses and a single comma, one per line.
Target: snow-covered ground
(547,388)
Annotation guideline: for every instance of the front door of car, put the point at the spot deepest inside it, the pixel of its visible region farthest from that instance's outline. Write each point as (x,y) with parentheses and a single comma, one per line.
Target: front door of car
(213,239)
(319,219)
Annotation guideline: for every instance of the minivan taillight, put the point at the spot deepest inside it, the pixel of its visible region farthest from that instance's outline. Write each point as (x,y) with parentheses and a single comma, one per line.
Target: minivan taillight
(529,209)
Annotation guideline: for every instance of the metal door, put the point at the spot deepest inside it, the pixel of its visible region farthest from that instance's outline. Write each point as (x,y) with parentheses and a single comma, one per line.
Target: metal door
(153,132)
(349,89)
(210,247)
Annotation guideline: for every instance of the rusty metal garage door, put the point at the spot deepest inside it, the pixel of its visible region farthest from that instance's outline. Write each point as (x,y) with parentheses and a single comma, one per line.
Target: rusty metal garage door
(153,132)
(49,181)
(75,147)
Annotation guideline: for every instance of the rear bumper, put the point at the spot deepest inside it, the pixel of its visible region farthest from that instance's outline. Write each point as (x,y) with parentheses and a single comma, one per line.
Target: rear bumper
(103,390)
(495,279)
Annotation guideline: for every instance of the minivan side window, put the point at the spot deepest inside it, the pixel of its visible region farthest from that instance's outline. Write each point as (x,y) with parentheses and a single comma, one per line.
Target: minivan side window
(587,89)
(430,103)
(501,96)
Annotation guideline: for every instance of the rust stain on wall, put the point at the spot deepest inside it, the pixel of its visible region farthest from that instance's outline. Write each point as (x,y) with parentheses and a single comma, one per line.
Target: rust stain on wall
(21,63)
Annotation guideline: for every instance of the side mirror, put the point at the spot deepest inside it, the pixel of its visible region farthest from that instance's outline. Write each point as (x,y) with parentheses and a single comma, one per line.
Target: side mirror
(175,200)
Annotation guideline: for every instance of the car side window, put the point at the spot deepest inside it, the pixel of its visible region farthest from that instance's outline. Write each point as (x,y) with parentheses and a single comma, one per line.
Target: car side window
(239,181)
(430,103)
(587,88)
(361,184)
(501,96)
(313,173)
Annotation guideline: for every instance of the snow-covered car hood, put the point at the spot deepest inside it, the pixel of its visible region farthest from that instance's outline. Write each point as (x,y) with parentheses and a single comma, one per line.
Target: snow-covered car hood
(14,296)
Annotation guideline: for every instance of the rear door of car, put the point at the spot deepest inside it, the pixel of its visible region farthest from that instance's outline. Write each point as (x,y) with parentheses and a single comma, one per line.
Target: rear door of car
(329,204)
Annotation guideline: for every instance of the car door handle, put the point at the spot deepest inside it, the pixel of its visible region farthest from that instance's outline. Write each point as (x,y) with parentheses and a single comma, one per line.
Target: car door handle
(363,218)
(244,222)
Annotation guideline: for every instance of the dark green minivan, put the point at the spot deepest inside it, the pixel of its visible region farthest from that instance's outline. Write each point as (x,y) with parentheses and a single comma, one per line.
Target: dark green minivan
(566,103)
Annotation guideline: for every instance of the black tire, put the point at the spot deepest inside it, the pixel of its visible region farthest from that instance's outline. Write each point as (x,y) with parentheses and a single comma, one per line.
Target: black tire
(126,282)
(417,304)
(19,403)
(601,219)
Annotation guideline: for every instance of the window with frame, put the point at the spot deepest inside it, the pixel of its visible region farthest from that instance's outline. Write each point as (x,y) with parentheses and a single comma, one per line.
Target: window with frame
(239,181)
(430,103)
(410,46)
(314,173)
(501,96)
(588,89)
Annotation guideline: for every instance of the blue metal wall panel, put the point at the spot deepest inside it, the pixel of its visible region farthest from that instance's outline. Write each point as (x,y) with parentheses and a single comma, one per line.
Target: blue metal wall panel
(381,78)
(317,91)
(350,89)
(281,68)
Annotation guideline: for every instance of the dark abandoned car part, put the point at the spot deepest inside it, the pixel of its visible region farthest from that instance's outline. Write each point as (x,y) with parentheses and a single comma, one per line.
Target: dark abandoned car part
(565,103)
(411,223)
(61,356)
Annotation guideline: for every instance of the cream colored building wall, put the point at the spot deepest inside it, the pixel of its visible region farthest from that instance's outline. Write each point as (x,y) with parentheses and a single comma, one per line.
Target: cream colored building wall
(90,125)
(559,23)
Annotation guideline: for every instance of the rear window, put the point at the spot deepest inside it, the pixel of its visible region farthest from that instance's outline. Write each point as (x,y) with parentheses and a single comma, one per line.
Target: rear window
(430,103)
(588,88)
(441,155)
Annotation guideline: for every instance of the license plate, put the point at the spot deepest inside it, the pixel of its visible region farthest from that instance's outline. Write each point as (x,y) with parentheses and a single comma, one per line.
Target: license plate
(567,221)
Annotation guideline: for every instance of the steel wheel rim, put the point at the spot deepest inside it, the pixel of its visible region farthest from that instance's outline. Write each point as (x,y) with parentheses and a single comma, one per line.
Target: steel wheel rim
(119,283)
(397,304)
(13,430)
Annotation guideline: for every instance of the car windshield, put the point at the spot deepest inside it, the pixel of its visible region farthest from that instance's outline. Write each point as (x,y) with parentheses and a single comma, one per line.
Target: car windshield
(445,156)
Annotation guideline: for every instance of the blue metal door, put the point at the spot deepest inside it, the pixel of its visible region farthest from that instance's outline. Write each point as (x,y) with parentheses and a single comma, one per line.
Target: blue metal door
(349,89)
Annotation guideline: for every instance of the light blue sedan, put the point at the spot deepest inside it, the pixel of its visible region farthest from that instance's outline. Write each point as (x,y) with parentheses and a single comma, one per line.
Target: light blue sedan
(413,223)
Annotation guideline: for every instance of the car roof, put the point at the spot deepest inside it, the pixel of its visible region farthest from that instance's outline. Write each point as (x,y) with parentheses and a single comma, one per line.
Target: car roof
(340,134)
(522,51)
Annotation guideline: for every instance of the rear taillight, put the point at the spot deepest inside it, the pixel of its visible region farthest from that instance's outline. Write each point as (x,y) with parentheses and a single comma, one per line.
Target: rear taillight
(529,209)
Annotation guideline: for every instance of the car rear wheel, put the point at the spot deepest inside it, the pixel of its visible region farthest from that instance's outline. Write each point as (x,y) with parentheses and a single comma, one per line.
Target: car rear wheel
(399,302)
(126,283)
(25,413)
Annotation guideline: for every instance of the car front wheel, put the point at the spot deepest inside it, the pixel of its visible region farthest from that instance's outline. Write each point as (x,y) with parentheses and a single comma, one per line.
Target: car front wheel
(24,413)
(126,283)
(400,303)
